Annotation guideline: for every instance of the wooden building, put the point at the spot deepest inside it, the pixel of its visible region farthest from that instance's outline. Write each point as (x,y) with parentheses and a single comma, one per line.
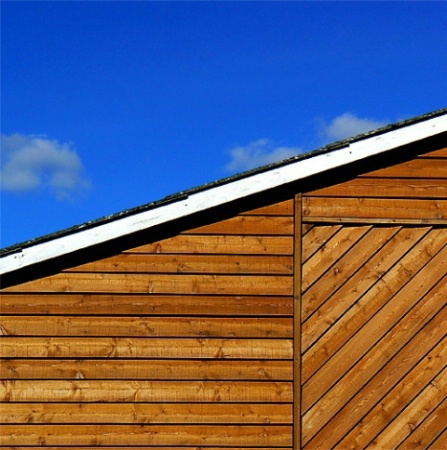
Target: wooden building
(301,305)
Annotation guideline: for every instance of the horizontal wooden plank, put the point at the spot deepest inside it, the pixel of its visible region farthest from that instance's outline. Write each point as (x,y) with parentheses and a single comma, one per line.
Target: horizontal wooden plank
(365,208)
(441,153)
(221,244)
(386,188)
(146,326)
(139,413)
(159,284)
(118,447)
(249,225)
(416,168)
(144,305)
(190,264)
(159,348)
(131,369)
(130,435)
(145,391)
(284,208)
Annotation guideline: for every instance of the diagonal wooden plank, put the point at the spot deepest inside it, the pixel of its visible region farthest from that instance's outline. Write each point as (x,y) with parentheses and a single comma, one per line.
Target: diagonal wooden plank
(316,237)
(380,356)
(403,425)
(329,253)
(345,268)
(428,430)
(369,334)
(405,278)
(440,442)
(371,272)
(395,385)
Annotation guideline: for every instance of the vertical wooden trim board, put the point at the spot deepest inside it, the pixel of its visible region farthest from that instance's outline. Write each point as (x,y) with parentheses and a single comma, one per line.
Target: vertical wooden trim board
(297,325)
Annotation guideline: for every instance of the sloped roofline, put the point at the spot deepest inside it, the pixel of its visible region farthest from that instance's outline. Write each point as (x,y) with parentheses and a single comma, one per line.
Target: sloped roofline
(215,194)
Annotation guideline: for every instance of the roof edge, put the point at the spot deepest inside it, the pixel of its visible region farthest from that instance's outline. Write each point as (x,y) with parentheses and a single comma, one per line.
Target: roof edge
(218,193)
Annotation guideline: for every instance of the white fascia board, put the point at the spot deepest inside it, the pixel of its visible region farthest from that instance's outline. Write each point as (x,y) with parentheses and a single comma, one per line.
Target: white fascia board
(219,195)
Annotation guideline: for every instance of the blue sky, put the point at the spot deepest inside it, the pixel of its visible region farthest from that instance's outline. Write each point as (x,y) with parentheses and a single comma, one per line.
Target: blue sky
(111,105)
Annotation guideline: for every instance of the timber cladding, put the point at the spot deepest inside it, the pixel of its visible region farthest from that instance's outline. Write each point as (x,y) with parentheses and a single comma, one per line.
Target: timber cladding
(181,342)
(315,322)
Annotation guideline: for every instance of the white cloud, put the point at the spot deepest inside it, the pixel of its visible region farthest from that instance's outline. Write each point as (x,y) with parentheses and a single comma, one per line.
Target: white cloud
(29,162)
(347,125)
(258,153)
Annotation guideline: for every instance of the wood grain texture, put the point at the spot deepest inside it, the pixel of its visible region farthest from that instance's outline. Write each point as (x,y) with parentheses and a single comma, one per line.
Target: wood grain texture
(144,391)
(375,360)
(297,327)
(340,271)
(285,208)
(386,188)
(131,369)
(367,412)
(159,284)
(220,245)
(144,305)
(145,413)
(251,225)
(333,249)
(427,431)
(146,327)
(416,168)
(189,264)
(403,425)
(405,278)
(134,435)
(374,208)
(166,348)
(360,282)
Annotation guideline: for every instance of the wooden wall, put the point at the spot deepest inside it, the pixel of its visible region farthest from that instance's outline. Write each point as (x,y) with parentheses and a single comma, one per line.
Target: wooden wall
(314,323)
(374,310)
(183,342)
